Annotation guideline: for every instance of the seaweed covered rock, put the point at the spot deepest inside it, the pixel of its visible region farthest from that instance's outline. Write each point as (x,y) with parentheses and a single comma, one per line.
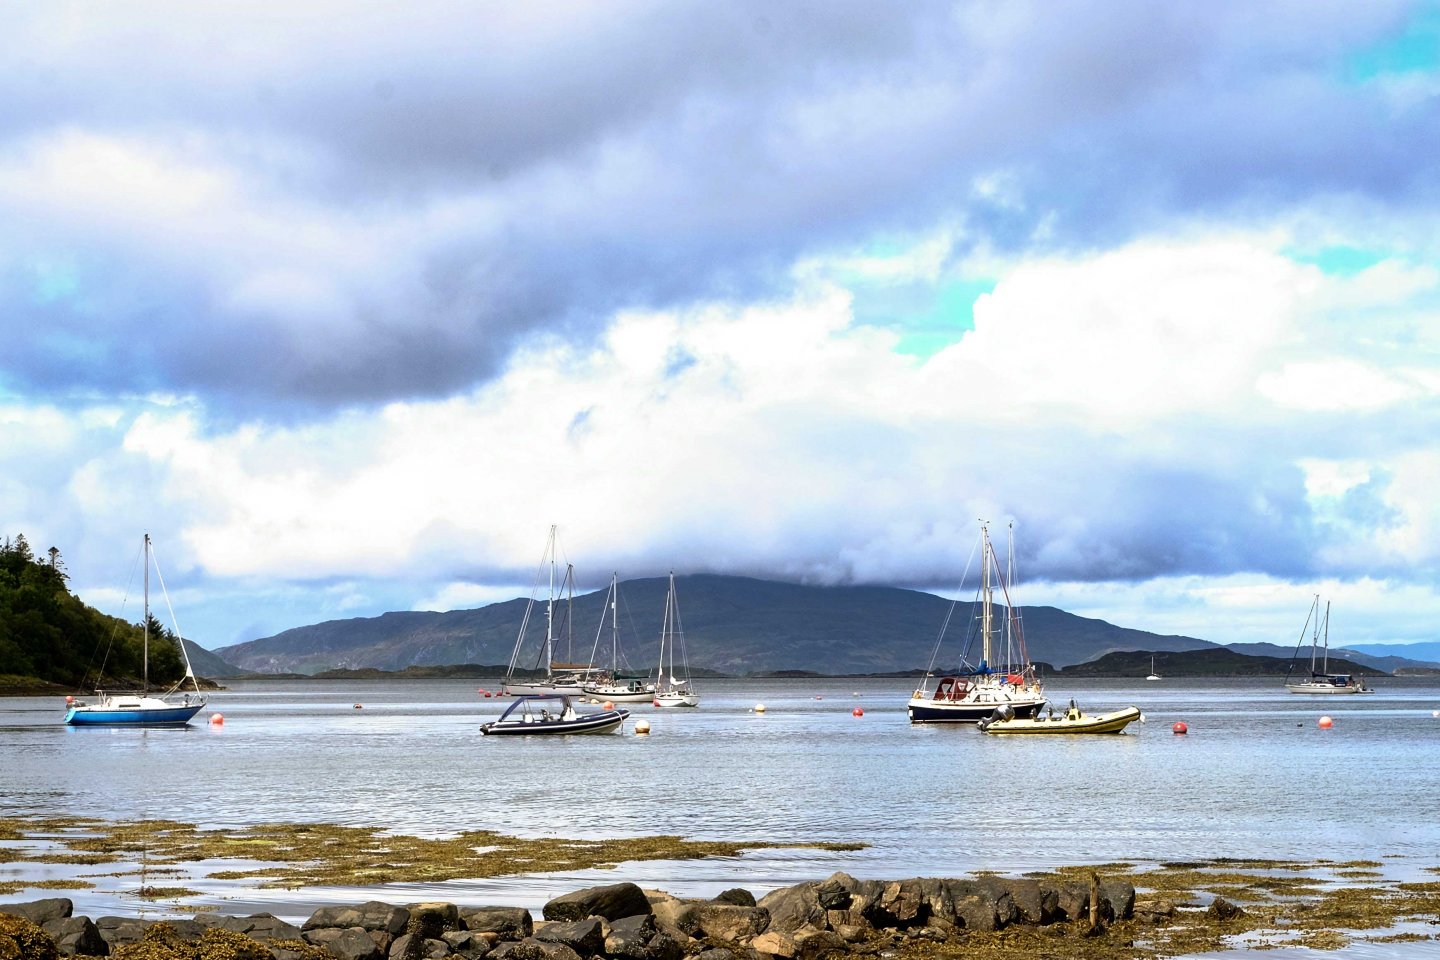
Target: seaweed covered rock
(76,936)
(22,939)
(41,912)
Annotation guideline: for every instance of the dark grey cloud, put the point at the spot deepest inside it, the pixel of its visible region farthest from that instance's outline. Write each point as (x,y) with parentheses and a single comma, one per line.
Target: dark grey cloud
(440,182)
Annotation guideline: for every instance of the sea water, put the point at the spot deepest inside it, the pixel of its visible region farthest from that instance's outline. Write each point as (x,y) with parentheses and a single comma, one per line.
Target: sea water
(1255,777)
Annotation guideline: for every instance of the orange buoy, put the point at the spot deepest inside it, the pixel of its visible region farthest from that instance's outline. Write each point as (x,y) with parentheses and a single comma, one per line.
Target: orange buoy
(357,706)
(857,712)
(1325,723)
(1179,727)
(69,699)
(217,719)
(607,705)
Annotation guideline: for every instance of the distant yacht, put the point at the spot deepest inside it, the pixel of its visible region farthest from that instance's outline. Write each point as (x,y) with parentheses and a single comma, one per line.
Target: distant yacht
(1153,674)
(560,678)
(1320,681)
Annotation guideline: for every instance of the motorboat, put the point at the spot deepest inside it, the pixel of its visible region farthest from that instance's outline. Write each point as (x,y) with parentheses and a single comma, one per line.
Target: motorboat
(1072,721)
(549,715)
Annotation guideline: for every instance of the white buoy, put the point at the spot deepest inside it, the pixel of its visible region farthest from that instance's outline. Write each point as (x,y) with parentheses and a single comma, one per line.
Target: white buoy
(642,726)
(759,708)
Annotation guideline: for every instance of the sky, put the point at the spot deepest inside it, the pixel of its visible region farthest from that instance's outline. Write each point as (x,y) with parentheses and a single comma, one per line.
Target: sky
(346,304)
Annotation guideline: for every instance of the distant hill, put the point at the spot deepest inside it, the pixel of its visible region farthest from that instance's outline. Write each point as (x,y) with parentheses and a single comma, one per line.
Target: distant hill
(733,625)
(1387,659)
(206,664)
(1427,653)
(1214,662)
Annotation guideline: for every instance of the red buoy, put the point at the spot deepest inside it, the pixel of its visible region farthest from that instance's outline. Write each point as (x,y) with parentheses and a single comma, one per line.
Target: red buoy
(217,719)
(1325,723)
(69,699)
(857,712)
(607,705)
(1179,727)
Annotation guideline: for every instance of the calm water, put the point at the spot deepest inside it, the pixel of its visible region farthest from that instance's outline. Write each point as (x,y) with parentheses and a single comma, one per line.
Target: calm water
(1255,777)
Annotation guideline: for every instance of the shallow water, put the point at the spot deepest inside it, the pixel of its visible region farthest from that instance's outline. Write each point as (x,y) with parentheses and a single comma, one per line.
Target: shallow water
(1254,778)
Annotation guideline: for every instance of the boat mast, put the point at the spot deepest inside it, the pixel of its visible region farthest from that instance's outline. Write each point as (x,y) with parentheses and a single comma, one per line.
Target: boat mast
(614,625)
(1326,667)
(550,607)
(145,648)
(1314,633)
(987,559)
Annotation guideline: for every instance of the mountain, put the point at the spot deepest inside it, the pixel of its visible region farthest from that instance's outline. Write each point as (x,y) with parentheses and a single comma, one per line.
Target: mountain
(207,664)
(1385,660)
(1427,653)
(1214,662)
(735,625)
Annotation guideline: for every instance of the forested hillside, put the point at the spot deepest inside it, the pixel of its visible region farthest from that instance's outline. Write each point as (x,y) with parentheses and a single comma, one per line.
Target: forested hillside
(46,633)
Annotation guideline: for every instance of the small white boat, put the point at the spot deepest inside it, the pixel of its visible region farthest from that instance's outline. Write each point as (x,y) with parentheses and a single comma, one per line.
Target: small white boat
(1153,675)
(1321,681)
(141,709)
(671,689)
(549,716)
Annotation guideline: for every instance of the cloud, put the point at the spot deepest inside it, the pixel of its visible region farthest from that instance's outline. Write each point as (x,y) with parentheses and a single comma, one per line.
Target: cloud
(296,214)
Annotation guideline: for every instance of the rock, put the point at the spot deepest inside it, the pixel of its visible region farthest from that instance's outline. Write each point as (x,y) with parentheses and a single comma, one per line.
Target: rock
(76,936)
(854,932)
(433,919)
(611,902)
(585,937)
(630,937)
(775,944)
(682,915)
(833,894)
(532,949)
(509,923)
(257,926)
(714,953)
(738,896)
(724,921)
(371,915)
(790,908)
(41,912)
(1154,911)
(821,943)
(420,948)
(1222,910)
(467,943)
(1117,899)
(1030,901)
(349,943)
(663,946)
(122,931)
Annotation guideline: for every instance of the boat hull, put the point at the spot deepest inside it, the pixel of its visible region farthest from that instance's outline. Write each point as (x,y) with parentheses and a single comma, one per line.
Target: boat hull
(676,700)
(534,727)
(167,716)
(1071,723)
(542,689)
(619,694)
(1325,689)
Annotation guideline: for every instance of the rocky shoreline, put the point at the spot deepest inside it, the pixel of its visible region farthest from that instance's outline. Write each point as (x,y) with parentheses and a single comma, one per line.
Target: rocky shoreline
(838,916)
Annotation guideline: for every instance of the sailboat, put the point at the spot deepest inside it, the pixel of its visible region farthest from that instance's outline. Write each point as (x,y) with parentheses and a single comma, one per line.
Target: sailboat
(1153,675)
(141,709)
(984,689)
(616,686)
(672,690)
(1322,680)
(560,678)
